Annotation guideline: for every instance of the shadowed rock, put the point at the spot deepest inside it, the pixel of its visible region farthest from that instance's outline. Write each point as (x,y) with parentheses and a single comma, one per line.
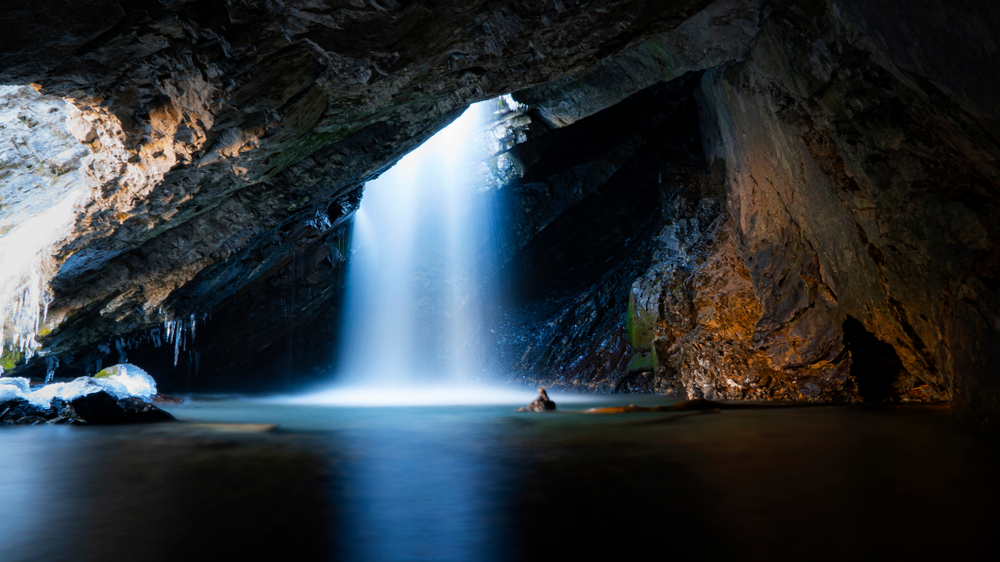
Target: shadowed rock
(101,408)
(541,404)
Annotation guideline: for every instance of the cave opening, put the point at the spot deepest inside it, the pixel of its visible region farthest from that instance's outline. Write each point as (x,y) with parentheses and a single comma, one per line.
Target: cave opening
(875,365)
(702,219)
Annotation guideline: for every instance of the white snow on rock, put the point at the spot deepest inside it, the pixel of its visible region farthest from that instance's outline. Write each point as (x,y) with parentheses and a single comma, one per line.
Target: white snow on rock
(121,381)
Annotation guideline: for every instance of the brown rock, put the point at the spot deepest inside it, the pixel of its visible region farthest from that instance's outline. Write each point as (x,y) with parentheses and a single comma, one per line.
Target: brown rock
(542,403)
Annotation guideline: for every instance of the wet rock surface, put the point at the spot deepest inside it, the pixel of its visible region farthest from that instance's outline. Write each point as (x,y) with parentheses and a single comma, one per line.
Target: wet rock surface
(99,408)
(864,197)
(840,242)
(20,411)
(540,404)
(232,138)
(592,192)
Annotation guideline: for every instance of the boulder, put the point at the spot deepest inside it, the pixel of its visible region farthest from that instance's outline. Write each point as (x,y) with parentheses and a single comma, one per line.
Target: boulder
(541,404)
(102,408)
(22,412)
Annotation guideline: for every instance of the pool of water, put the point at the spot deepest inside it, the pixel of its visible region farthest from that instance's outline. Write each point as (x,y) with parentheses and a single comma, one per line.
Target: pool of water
(251,479)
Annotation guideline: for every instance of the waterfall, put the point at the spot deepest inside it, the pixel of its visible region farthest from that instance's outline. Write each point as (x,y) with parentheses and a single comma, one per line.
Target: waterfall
(421,247)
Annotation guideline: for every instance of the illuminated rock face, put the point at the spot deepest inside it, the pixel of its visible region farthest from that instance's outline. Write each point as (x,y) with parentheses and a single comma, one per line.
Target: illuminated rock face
(838,209)
(47,172)
(238,134)
(856,255)
(864,189)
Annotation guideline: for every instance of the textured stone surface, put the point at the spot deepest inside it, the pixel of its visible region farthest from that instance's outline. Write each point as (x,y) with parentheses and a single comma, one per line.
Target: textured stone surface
(720,34)
(844,247)
(861,191)
(219,124)
(590,202)
(821,225)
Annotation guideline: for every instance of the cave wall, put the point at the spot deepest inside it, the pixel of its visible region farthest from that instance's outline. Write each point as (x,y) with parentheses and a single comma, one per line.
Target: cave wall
(589,204)
(221,126)
(855,157)
(864,190)
(838,208)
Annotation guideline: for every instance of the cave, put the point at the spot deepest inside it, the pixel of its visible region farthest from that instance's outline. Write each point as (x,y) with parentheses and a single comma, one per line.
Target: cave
(874,364)
(499,279)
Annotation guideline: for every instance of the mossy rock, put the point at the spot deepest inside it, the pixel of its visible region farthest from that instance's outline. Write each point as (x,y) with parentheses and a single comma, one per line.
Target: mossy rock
(10,358)
(108,372)
(642,362)
(638,327)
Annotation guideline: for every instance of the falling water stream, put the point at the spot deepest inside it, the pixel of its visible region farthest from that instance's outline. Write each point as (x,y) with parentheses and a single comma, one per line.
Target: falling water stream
(420,241)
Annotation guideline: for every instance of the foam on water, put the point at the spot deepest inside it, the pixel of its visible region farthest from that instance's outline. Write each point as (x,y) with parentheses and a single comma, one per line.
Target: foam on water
(423,395)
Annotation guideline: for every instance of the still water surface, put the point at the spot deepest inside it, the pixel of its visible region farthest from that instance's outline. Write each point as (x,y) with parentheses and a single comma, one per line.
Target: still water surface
(486,483)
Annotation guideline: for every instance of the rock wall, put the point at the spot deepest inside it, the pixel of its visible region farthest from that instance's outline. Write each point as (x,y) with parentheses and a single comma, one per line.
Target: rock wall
(815,217)
(843,244)
(864,193)
(227,129)
(589,205)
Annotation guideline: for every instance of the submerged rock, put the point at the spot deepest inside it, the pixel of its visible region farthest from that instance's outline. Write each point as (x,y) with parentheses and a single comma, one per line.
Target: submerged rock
(541,404)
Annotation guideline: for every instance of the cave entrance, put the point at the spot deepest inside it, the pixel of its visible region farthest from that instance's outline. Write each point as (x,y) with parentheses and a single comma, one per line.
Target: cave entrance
(874,364)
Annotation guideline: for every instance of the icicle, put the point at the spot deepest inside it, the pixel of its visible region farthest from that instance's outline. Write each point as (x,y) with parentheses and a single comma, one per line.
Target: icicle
(120,345)
(51,364)
(178,338)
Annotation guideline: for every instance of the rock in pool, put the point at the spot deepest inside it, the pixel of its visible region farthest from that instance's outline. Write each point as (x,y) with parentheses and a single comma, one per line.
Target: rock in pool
(117,395)
(541,404)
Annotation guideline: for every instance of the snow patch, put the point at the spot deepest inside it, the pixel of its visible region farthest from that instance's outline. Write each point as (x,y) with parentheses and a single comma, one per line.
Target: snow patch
(121,381)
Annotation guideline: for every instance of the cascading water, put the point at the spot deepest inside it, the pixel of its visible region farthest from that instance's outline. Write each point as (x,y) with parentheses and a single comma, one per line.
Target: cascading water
(422,244)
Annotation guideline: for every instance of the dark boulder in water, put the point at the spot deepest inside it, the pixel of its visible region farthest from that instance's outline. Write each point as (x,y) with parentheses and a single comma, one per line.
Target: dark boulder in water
(101,408)
(541,404)
(20,411)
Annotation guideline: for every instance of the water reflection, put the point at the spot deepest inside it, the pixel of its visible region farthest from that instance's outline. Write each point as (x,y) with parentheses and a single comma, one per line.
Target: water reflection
(33,485)
(485,483)
(418,492)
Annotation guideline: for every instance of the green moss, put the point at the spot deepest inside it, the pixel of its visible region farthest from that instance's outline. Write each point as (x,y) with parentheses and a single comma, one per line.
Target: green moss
(642,362)
(638,330)
(9,358)
(299,203)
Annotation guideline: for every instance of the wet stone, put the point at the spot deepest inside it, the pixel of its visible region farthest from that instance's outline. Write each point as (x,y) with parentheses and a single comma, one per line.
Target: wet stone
(541,404)
(101,408)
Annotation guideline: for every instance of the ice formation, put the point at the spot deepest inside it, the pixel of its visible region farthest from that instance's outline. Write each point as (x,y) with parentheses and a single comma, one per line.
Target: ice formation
(43,183)
(121,381)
